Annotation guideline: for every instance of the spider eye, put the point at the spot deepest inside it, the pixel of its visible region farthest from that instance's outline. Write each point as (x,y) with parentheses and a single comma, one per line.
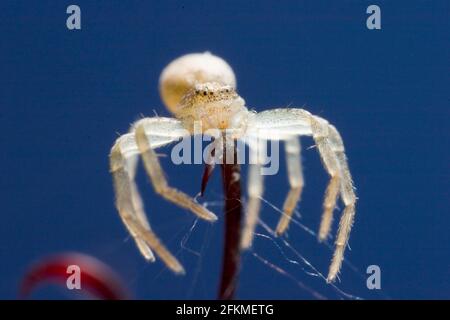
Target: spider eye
(205,93)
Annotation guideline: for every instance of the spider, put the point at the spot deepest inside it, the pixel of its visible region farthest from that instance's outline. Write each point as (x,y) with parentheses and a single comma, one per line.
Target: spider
(201,87)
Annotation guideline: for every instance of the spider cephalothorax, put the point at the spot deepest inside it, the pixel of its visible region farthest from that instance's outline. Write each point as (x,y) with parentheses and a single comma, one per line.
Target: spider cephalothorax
(200,88)
(216,106)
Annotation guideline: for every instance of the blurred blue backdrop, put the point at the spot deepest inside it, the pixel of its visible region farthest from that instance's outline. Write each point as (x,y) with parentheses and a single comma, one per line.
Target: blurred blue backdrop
(65,96)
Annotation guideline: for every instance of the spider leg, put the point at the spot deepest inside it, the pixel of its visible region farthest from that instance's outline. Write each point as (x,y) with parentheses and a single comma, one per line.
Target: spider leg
(141,218)
(143,134)
(295,174)
(331,164)
(331,149)
(276,124)
(348,197)
(129,203)
(255,186)
(282,124)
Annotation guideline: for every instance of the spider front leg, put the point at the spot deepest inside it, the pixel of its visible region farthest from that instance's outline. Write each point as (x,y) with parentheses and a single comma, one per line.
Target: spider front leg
(331,149)
(144,132)
(282,124)
(321,137)
(348,197)
(128,200)
(295,175)
(129,203)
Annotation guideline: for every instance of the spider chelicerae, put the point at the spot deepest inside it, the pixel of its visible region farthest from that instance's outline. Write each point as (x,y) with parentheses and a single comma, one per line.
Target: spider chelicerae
(201,88)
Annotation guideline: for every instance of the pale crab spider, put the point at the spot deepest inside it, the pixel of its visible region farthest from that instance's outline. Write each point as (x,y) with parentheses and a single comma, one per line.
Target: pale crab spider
(201,87)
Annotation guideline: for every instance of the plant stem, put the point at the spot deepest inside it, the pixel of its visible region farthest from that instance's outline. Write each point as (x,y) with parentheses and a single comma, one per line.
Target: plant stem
(232,214)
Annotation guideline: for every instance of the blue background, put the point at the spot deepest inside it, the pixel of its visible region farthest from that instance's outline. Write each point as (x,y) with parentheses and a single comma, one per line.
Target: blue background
(65,96)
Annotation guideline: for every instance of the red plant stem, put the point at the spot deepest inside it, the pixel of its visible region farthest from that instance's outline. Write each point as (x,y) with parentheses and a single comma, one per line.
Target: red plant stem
(232,214)
(96,278)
